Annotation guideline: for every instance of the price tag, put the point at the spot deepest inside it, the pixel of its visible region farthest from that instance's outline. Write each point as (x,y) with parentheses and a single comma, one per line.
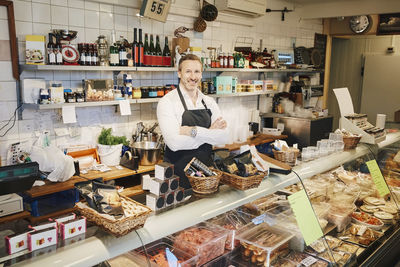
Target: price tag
(362,230)
(308,261)
(377,177)
(305,217)
(155,9)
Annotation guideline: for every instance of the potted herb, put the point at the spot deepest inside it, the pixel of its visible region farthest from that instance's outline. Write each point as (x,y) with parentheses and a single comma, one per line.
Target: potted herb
(110,147)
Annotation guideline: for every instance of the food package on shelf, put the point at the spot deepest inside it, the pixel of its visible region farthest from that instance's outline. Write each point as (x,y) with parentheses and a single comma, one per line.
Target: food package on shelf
(288,223)
(259,206)
(321,209)
(263,244)
(205,240)
(234,221)
(339,215)
(357,234)
(316,190)
(162,253)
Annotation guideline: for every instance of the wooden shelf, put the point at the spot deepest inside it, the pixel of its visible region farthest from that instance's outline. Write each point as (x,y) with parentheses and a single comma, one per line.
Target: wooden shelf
(16,216)
(50,187)
(36,220)
(132,191)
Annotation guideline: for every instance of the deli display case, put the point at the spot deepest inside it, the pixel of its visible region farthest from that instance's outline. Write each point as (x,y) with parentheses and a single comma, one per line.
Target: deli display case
(356,225)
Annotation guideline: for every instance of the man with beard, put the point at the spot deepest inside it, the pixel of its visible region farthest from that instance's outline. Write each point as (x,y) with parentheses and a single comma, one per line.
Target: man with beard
(190,122)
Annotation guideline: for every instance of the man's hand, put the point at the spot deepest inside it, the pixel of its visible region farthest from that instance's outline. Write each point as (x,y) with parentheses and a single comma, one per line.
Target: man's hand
(185,130)
(219,123)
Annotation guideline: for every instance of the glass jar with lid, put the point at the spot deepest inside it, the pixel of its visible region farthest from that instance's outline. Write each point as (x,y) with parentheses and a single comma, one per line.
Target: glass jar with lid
(137,93)
(160,91)
(145,91)
(152,92)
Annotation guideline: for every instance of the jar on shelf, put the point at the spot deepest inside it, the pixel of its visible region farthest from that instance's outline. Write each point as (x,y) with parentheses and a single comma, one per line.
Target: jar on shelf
(145,91)
(79,95)
(160,91)
(152,92)
(137,93)
(167,89)
(69,96)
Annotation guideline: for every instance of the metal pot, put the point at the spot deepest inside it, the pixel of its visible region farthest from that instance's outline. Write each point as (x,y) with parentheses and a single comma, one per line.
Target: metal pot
(147,152)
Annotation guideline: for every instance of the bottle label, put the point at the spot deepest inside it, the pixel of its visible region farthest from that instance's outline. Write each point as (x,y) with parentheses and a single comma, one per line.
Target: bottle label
(146,60)
(141,56)
(52,58)
(88,60)
(225,62)
(114,59)
(122,55)
(136,55)
(94,60)
(83,58)
(221,62)
(167,61)
(231,63)
(158,61)
(59,57)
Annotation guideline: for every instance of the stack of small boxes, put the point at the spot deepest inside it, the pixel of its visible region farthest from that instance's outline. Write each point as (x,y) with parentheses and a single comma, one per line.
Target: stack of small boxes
(164,187)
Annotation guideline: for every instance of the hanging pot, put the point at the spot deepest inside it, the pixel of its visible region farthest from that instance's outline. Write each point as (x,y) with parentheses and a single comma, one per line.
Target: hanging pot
(200,25)
(209,12)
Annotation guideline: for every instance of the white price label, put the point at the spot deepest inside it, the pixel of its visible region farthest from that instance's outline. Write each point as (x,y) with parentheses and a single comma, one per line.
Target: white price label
(155,9)
(308,261)
(362,230)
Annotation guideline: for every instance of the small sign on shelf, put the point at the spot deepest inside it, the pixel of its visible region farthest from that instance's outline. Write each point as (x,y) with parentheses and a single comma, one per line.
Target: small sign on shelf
(155,9)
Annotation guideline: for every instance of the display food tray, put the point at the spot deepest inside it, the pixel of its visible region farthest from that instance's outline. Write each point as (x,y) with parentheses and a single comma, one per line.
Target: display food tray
(205,240)
(156,252)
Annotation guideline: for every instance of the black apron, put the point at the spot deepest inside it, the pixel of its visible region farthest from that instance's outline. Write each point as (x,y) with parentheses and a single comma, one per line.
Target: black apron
(180,158)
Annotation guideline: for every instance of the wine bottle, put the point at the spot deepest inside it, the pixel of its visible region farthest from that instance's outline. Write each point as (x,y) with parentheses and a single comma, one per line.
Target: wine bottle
(114,56)
(58,53)
(152,51)
(135,48)
(158,53)
(166,54)
(123,60)
(146,51)
(140,48)
(88,58)
(51,57)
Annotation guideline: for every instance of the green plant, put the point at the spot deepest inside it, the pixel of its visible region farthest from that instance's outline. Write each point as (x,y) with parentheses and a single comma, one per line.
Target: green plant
(106,138)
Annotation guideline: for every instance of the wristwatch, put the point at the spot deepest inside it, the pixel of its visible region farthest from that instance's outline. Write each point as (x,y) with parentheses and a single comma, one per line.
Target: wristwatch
(193,132)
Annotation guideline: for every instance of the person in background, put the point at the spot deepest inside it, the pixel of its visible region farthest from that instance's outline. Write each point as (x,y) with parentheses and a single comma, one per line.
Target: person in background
(190,122)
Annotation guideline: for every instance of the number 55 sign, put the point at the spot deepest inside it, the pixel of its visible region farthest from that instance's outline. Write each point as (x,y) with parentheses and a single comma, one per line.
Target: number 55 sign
(155,9)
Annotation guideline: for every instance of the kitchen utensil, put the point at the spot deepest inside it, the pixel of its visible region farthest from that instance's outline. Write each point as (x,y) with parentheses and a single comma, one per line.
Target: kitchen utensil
(148,153)
(209,12)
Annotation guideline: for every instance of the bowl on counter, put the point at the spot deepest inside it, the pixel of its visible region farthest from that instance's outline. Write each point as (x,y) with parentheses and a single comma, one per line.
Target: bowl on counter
(148,152)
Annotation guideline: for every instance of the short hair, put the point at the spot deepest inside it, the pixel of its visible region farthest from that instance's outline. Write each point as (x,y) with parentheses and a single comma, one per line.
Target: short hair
(189,57)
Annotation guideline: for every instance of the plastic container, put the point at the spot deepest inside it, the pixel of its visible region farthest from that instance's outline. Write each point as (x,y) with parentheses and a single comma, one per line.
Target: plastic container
(47,204)
(127,259)
(262,244)
(205,240)
(235,222)
(157,254)
(259,206)
(222,261)
(110,155)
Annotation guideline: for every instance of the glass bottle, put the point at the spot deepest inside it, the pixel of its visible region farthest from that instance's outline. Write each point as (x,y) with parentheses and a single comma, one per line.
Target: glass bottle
(140,48)
(152,51)
(135,48)
(146,53)
(58,54)
(123,60)
(158,53)
(114,56)
(88,60)
(51,57)
(166,54)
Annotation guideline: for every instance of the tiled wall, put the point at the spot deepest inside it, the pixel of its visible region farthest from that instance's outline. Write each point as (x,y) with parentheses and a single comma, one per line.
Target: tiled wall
(91,19)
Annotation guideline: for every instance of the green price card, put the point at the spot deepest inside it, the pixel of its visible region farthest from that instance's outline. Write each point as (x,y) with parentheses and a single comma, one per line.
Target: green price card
(377,177)
(305,217)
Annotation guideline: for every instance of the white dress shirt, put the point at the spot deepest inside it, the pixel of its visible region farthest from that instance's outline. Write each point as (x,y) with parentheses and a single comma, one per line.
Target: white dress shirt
(169,115)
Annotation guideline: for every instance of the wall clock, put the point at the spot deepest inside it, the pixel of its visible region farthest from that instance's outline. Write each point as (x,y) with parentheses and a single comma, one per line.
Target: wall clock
(360,24)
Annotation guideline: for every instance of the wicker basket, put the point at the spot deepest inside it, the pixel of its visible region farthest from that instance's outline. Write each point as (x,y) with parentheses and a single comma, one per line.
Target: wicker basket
(205,185)
(242,183)
(351,142)
(135,217)
(289,156)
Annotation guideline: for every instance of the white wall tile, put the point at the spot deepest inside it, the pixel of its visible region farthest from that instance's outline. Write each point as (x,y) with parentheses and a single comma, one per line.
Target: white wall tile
(62,75)
(92,19)
(22,29)
(106,21)
(121,22)
(8,91)
(59,15)
(92,6)
(80,38)
(41,13)
(23,11)
(4,35)
(106,8)
(76,17)
(120,10)
(59,2)
(91,34)
(6,71)
(41,1)
(76,3)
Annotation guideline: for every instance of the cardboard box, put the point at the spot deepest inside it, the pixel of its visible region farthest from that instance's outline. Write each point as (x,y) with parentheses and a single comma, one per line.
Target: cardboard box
(223,84)
(73,228)
(35,52)
(17,242)
(43,238)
